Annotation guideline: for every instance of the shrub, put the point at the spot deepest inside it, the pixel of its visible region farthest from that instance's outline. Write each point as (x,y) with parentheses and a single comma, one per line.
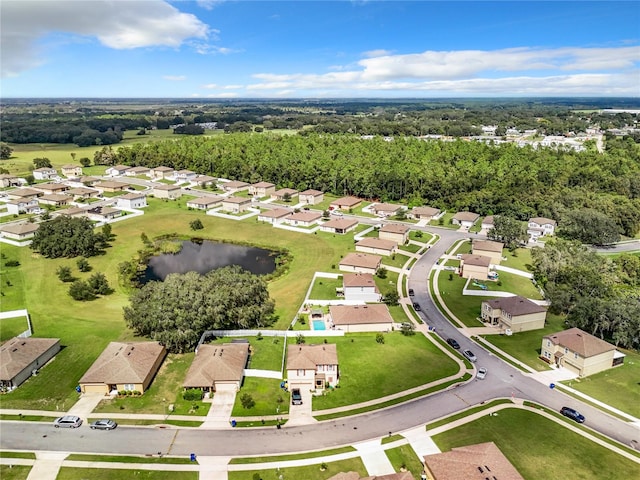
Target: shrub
(12,263)
(379,338)
(192,394)
(300,339)
(247,401)
(64,274)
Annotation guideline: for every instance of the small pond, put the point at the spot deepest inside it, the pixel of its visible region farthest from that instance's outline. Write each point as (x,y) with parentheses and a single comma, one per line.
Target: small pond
(205,256)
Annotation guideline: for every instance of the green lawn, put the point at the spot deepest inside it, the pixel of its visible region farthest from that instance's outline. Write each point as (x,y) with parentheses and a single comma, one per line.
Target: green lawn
(363,377)
(311,472)
(12,327)
(81,457)
(70,473)
(519,259)
(411,248)
(266,354)
(420,236)
(547,450)
(404,457)
(269,398)
(14,472)
(388,284)
(12,286)
(465,307)
(445,221)
(293,456)
(396,260)
(325,288)
(510,282)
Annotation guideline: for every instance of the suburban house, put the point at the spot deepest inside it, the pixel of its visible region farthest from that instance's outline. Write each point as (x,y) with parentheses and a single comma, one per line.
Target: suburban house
(312,367)
(345,203)
(70,171)
(395,232)
(85,181)
(160,173)
(283,194)
(103,214)
(516,313)
(360,263)
(261,189)
(465,219)
(372,317)
(475,266)
(339,226)
(132,201)
(122,366)
(471,462)
(19,231)
(275,216)
(487,223)
(303,219)
(136,171)
(24,205)
(235,204)
(377,246)
(51,187)
(20,358)
(360,287)
(82,193)
(386,209)
(73,212)
(488,248)
(579,352)
(7,180)
(184,176)
(233,186)
(117,170)
(424,213)
(45,173)
(110,187)
(24,193)
(204,180)
(311,197)
(218,367)
(205,203)
(540,227)
(55,199)
(172,192)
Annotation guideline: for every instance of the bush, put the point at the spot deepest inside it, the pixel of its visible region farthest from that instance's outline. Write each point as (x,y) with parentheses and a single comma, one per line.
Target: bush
(64,274)
(247,401)
(196,224)
(300,339)
(379,338)
(12,263)
(192,394)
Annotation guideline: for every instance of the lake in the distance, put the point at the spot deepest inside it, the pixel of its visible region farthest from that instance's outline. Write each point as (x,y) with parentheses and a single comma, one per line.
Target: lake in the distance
(207,256)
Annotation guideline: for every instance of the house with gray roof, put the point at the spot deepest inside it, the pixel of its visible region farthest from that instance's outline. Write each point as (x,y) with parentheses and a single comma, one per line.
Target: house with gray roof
(20,358)
(519,314)
(312,366)
(372,317)
(218,367)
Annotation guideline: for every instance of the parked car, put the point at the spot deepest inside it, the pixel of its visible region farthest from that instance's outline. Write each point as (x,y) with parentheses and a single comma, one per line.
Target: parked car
(481,374)
(470,356)
(296,397)
(68,421)
(411,293)
(416,307)
(337,213)
(572,414)
(453,343)
(103,425)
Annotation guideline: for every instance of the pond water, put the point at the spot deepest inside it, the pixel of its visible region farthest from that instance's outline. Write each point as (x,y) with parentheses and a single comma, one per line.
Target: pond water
(205,256)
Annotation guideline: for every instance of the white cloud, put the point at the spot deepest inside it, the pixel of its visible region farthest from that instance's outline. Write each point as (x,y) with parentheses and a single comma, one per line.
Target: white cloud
(376,53)
(209,4)
(175,78)
(116,24)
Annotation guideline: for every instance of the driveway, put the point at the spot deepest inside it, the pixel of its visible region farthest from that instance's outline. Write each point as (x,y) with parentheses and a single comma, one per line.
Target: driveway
(219,414)
(302,414)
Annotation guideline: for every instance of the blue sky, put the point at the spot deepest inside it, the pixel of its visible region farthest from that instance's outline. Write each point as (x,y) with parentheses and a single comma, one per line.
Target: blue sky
(327,49)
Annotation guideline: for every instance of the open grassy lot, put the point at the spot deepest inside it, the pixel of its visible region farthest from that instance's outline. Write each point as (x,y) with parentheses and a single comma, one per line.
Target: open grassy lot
(12,327)
(70,473)
(404,457)
(311,472)
(12,286)
(14,472)
(325,288)
(445,221)
(387,284)
(409,361)
(269,398)
(396,260)
(420,236)
(519,259)
(543,451)
(266,354)
(510,282)
(411,248)
(465,307)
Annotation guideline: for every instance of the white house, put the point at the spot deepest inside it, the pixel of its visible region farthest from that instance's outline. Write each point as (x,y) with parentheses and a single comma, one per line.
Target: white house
(117,170)
(132,201)
(540,227)
(360,287)
(45,173)
(205,203)
(24,205)
(184,176)
(303,219)
(465,219)
(312,366)
(275,216)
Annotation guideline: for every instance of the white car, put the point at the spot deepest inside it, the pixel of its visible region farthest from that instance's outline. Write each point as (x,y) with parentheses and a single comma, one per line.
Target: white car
(482,373)
(337,213)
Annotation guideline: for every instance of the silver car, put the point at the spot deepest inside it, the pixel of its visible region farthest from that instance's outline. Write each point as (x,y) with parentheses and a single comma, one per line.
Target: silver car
(68,421)
(482,373)
(103,425)
(470,356)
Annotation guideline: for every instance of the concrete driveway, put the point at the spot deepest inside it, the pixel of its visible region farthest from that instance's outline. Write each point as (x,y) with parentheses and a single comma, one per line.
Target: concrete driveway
(219,415)
(301,414)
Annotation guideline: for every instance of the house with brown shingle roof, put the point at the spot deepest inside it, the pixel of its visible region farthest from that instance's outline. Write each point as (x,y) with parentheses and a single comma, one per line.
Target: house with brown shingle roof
(160,173)
(312,366)
(386,209)
(135,171)
(205,203)
(233,186)
(488,248)
(345,203)
(24,193)
(275,216)
(360,263)
(103,214)
(395,232)
(304,218)
(71,170)
(377,246)
(124,366)
(110,186)
(82,193)
(21,357)
(235,204)
(424,213)
(579,352)
(261,189)
(474,266)
(339,226)
(8,180)
(51,187)
(218,367)
(540,227)
(19,231)
(465,219)
(516,313)
(55,199)
(372,317)
(171,192)
(487,222)
(311,197)
(281,194)
(360,287)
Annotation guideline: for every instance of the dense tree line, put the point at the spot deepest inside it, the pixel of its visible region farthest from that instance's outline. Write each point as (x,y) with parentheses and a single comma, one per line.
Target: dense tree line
(68,237)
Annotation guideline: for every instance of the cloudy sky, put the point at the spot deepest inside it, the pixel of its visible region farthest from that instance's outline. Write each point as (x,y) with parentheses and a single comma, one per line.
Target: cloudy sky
(359,48)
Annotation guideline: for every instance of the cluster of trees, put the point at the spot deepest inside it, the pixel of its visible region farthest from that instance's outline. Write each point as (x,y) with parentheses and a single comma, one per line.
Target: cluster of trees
(69,237)
(598,294)
(78,131)
(83,290)
(5,151)
(177,311)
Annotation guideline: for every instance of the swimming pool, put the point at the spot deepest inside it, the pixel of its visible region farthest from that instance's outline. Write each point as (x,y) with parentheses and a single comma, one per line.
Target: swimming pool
(319,325)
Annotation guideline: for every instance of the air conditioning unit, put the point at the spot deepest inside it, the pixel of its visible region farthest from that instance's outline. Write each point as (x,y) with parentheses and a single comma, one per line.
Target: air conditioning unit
(34,372)
(508,332)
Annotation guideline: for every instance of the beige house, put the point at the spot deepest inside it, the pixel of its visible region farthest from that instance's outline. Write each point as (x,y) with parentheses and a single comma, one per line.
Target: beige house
(395,232)
(424,213)
(82,193)
(20,358)
(24,193)
(340,226)
(73,212)
(372,317)
(475,266)
(303,219)
(132,201)
(72,171)
(281,194)
(360,263)
(136,171)
(465,219)
(103,214)
(117,170)
(19,231)
(110,187)
(218,367)
(516,313)
(234,186)
(386,209)
(377,246)
(345,203)
(235,204)
(488,248)
(184,175)
(487,222)
(172,192)
(204,180)
(8,180)
(23,205)
(579,352)
(360,287)
(311,197)
(312,366)
(124,366)
(54,199)
(160,173)
(205,203)
(261,189)
(51,187)
(275,216)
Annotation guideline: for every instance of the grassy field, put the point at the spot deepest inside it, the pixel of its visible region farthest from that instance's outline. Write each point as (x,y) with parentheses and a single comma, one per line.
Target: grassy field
(396,260)
(14,472)
(11,327)
(543,452)
(465,307)
(311,472)
(519,259)
(266,354)
(269,398)
(510,282)
(404,457)
(325,288)
(70,473)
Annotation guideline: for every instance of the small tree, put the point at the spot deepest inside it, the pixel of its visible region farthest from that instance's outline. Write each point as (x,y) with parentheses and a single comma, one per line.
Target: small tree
(5,151)
(42,162)
(247,401)
(106,231)
(145,239)
(286,197)
(407,329)
(83,265)
(381,273)
(300,339)
(85,162)
(379,338)
(196,224)
(64,274)
(30,179)
(99,284)
(391,299)
(81,291)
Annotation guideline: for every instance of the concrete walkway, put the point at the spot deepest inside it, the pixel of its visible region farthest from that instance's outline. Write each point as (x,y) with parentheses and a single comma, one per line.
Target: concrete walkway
(46,466)
(87,403)
(213,468)
(374,458)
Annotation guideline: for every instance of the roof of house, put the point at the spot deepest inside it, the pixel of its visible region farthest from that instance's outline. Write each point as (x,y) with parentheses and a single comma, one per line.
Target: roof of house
(110,184)
(236,200)
(25,192)
(45,169)
(341,223)
(315,193)
(358,280)
(472,462)
(81,191)
(583,343)
(386,207)
(516,305)
(120,362)
(361,260)
(236,184)
(51,187)
(162,169)
(305,216)
(68,166)
(56,197)
(132,196)
(139,169)
(372,242)
(204,179)
(103,211)
(20,228)
(477,260)
(18,353)
(395,228)
(426,211)
(72,211)
(7,176)
(205,200)
(119,167)
(347,201)
(307,357)
(185,172)
(275,213)
(215,363)
(168,188)
(356,476)
(487,246)
(488,220)
(283,191)
(262,185)
(359,314)
(466,216)
(543,221)
(88,179)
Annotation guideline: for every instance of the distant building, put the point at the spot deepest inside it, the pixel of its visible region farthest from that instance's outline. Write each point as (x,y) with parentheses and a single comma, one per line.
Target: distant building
(171,192)
(488,248)
(132,201)
(345,203)
(339,226)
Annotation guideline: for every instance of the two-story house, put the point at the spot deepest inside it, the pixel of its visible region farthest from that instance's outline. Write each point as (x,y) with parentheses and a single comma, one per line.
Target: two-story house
(540,227)
(312,366)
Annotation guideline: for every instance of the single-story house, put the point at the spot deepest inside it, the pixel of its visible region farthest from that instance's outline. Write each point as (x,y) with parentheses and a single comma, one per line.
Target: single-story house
(235,204)
(395,232)
(540,227)
(132,200)
(117,170)
(73,212)
(24,205)
(87,181)
(377,246)
(205,203)
(51,187)
(339,226)
(303,219)
(135,171)
(233,186)
(218,367)
(82,193)
(312,366)
(360,287)
(580,352)
(8,180)
(475,266)
(184,175)
(311,197)
(109,186)
(281,194)
(372,317)
(70,171)
(24,193)
(472,462)
(171,192)
(360,263)
(55,199)
(488,248)
(123,366)
(465,219)
(103,214)
(19,231)
(516,313)
(204,180)
(386,209)
(487,222)
(20,358)
(275,216)
(261,189)
(160,173)
(345,203)
(45,173)
(424,213)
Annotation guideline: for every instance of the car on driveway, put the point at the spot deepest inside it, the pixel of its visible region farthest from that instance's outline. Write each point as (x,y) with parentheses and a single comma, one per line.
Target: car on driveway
(296,397)
(416,307)
(481,374)
(103,425)
(572,414)
(68,421)
(453,343)
(411,292)
(470,356)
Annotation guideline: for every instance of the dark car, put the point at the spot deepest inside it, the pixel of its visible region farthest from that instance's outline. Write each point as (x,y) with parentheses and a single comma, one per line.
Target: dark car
(453,343)
(416,307)
(572,414)
(296,397)
(411,292)
(103,425)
